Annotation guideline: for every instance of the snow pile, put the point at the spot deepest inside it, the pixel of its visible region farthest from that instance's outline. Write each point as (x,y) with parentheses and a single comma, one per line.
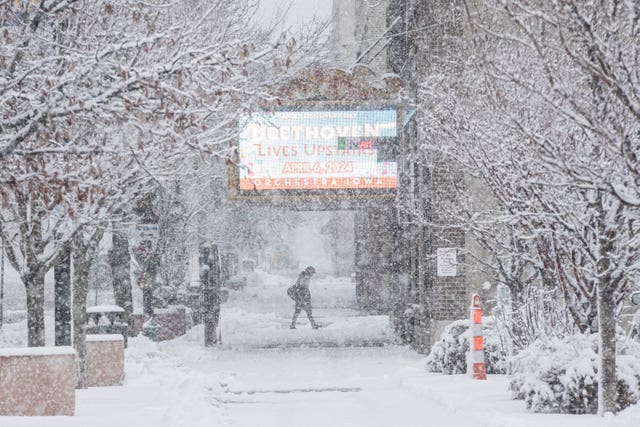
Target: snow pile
(448,355)
(559,375)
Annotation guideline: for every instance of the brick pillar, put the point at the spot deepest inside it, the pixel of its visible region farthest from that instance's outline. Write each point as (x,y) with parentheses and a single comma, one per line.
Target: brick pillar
(428,38)
(375,233)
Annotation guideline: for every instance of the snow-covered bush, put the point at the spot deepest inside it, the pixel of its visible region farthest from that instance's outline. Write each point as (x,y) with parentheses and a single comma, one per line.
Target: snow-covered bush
(561,374)
(448,355)
(411,317)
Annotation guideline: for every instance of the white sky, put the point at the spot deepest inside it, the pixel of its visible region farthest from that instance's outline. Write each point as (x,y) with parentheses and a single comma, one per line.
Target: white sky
(301,11)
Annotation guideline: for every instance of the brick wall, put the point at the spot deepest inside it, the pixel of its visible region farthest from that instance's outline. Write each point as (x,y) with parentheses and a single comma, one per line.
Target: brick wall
(428,40)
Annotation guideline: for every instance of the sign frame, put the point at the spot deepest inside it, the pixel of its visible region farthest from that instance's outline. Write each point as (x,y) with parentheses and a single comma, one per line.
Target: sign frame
(233,169)
(447,262)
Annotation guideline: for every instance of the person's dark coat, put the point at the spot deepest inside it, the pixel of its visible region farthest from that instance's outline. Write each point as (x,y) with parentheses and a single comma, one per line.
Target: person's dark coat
(299,292)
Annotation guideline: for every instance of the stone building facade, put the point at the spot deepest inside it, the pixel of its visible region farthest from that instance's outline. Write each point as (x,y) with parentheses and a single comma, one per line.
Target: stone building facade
(357,27)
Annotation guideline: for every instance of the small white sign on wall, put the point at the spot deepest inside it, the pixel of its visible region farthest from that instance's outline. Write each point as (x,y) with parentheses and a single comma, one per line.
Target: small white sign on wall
(447,262)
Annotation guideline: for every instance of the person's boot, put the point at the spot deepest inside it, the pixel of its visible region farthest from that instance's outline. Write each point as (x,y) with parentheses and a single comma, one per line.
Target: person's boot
(293,326)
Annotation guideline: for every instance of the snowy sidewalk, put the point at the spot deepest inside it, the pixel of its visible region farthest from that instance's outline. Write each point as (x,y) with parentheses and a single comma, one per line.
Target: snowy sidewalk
(259,316)
(242,330)
(315,378)
(368,387)
(181,383)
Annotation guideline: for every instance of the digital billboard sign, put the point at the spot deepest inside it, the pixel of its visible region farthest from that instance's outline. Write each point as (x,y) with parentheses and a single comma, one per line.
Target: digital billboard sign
(319,150)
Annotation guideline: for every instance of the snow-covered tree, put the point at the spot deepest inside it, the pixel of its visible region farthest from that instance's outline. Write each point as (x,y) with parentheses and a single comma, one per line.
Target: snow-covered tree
(543,113)
(101,99)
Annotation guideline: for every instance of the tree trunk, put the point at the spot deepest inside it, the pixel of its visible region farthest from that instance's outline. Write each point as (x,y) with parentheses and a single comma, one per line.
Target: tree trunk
(518,329)
(607,390)
(81,264)
(80,290)
(62,303)
(204,261)
(211,297)
(121,273)
(607,369)
(34,285)
(1,282)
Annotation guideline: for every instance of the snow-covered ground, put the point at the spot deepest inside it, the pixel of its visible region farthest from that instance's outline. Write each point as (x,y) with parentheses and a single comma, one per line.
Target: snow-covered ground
(260,315)
(349,373)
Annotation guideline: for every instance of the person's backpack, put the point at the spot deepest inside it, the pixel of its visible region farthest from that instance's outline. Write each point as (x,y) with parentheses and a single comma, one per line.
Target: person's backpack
(294,291)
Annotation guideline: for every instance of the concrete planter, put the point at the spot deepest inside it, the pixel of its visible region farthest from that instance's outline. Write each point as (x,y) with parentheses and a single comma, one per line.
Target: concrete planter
(105,360)
(37,381)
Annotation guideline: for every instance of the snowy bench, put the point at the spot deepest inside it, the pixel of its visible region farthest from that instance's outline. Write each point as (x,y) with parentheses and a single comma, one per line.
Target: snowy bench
(107,319)
(37,381)
(105,360)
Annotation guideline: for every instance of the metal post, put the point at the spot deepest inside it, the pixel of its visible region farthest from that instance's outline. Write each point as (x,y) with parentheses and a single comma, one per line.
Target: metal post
(62,301)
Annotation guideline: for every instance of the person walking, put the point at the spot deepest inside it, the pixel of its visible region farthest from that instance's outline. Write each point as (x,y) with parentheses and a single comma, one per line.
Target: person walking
(300,293)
